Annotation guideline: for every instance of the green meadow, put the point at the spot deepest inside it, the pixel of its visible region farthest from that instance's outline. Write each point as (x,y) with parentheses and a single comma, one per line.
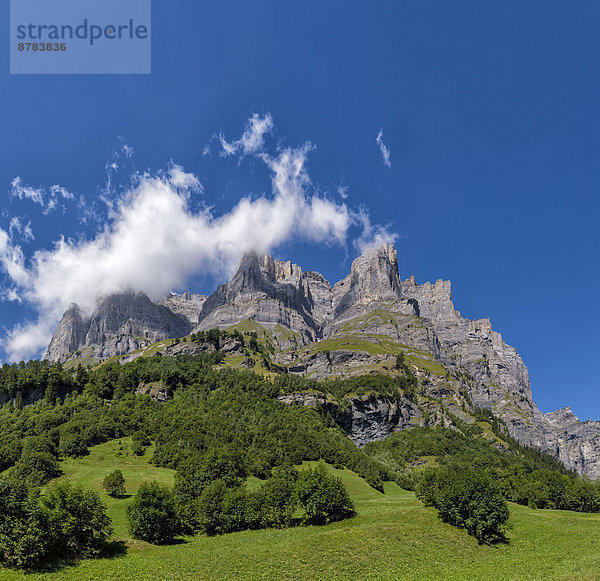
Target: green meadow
(393,537)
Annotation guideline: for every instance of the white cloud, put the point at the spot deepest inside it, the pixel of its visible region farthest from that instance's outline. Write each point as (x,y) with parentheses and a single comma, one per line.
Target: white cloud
(16,226)
(253,138)
(183,180)
(49,199)
(343,192)
(373,235)
(13,260)
(385,152)
(154,241)
(12,295)
(26,340)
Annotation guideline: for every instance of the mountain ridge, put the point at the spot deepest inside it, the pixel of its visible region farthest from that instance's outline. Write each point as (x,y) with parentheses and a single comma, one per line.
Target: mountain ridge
(361,324)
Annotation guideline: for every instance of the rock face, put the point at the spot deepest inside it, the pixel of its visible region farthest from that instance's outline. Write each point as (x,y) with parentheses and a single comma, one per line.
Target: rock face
(367,418)
(500,379)
(120,324)
(372,285)
(356,327)
(271,293)
(575,443)
(68,336)
(186,304)
(373,278)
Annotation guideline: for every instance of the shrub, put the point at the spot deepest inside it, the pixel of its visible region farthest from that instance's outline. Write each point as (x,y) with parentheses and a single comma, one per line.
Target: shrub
(211,517)
(23,528)
(323,497)
(139,441)
(77,521)
(72,445)
(279,497)
(36,468)
(153,515)
(114,484)
(468,499)
(196,472)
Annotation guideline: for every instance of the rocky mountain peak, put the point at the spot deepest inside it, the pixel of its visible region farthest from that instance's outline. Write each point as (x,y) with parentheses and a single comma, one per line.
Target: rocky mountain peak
(252,275)
(435,300)
(371,312)
(562,417)
(271,292)
(68,336)
(287,272)
(120,323)
(373,277)
(186,304)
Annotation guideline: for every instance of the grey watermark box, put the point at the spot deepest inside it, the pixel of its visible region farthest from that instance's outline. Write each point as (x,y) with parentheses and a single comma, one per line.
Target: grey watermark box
(80,37)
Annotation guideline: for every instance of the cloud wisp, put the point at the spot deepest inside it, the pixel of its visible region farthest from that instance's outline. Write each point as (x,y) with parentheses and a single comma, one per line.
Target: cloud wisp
(252,140)
(48,198)
(385,151)
(154,241)
(18,227)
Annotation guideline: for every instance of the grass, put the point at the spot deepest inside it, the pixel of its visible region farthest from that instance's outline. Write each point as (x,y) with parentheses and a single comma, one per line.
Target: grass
(392,538)
(428,363)
(91,470)
(248,326)
(372,344)
(383,316)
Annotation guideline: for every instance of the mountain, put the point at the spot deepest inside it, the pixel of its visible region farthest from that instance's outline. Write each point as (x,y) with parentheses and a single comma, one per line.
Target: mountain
(361,325)
(120,324)
(268,291)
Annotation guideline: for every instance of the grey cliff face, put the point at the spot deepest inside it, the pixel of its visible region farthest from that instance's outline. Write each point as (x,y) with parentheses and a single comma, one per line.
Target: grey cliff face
(136,315)
(320,296)
(120,323)
(371,305)
(372,285)
(501,382)
(186,304)
(267,291)
(68,336)
(575,443)
(373,277)
(367,418)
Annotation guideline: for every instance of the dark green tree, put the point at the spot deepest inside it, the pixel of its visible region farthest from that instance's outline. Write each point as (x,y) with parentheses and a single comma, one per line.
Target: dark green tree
(323,497)
(24,538)
(114,484)
(153,514)
(466,498)
(77,520)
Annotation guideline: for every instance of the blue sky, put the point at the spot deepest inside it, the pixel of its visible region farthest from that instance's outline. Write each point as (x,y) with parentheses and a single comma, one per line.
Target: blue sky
(489,110)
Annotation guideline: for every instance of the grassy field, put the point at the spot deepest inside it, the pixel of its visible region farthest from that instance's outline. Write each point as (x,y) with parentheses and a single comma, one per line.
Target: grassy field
(393,537)
(91,470)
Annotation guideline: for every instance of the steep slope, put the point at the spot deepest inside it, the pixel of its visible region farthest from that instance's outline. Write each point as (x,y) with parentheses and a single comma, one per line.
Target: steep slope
(373,283)
(498,378)
(68,336)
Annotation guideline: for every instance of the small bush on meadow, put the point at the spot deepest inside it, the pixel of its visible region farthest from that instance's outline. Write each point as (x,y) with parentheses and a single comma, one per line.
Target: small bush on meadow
(468,499)
(323,497)
(77,521)
(153,514)
(114,484)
